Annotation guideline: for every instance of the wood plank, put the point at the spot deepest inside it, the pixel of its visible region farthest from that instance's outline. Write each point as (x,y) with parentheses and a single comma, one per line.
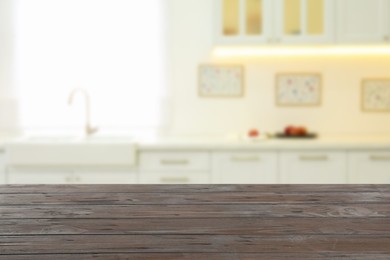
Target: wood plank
(208,256)
(193,243)
(195,211)
(194,198)
(56,189)
(195,221)
(211,226)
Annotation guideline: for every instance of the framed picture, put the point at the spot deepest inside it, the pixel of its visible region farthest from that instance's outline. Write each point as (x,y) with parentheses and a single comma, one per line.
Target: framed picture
(298,89)
(221,80)
(375,94)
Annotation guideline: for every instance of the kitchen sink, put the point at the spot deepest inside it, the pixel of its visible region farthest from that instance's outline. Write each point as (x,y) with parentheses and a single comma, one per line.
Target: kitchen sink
(72,151)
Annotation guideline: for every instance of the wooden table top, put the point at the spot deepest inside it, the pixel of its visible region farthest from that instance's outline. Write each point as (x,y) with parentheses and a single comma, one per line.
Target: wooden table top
(194,222)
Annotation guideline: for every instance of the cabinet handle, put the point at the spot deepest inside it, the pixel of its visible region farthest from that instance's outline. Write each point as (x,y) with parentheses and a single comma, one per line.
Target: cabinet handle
(313,158)
(174,179)
(174,162)
(245,159)
(380,157)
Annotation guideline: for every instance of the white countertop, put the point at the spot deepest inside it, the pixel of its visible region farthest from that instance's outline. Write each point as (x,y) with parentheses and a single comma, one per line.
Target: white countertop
(328,142)
(221,143)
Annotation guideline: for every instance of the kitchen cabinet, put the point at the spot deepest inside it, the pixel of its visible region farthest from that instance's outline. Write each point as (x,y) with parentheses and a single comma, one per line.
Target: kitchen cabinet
(174,167)
(245,168)
(363,21)
(2,168)
(274,21)
(313,167)
(174,178)
(369,167)
(304,21)
(49,175)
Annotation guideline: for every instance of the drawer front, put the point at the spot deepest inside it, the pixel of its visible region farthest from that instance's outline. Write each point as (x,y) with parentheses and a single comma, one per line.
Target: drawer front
(2,168)
(70,177)
(175,178)
(245,168)
(313,167)
(174,161)
(369,167)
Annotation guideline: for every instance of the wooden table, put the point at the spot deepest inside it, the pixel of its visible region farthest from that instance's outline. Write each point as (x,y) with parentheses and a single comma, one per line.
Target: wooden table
(195,222)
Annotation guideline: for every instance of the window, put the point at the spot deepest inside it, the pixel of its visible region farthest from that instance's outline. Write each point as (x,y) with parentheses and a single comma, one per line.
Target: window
(115,49)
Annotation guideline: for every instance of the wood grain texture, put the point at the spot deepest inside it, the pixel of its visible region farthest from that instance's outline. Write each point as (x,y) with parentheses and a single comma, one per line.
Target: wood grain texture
(194,222)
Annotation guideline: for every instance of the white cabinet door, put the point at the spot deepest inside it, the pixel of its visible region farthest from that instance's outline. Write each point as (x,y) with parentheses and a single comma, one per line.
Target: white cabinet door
(363,21)
(313,167)
(243,21)
(305,21)
(369,167)
(245,168)
(2,168)
(63,176)
(174,178)
(274,21)
(174,167)
(174,161)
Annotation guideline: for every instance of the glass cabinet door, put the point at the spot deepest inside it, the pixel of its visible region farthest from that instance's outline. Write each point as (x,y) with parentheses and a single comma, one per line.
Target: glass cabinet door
(231,17)
(304,20)
(245,20)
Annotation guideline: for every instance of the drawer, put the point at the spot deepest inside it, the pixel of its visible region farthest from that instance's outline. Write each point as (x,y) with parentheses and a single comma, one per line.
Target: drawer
(175,161)
(313,167)
(175,178)
(245,168)
(70,177)
(369,167)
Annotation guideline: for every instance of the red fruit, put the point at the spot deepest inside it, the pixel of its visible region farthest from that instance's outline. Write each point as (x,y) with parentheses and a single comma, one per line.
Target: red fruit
(295,131)
(288,130)
(253,133)
(302,130)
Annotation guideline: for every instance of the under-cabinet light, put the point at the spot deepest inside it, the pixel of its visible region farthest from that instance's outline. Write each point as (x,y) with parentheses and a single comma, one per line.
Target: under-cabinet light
(300,51)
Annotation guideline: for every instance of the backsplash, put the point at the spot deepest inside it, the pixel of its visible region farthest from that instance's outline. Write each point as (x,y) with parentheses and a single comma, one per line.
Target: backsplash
(340,110)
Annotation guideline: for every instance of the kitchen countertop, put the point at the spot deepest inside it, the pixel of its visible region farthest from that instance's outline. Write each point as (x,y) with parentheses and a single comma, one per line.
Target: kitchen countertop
(223,143)
(195,222)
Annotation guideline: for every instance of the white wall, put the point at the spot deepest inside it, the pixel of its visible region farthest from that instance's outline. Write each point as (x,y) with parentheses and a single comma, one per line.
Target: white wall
(8,105)
(192,44)
(6,47)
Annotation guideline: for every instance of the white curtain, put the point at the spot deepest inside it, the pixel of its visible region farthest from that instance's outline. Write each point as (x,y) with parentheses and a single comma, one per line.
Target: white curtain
(115,49)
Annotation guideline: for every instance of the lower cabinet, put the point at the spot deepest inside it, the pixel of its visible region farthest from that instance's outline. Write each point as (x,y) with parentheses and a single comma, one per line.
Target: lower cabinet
(221,167)
(62,176)
(2,168)
(174,167)
(313,167)
(369,167)
(245,168)
(174,178)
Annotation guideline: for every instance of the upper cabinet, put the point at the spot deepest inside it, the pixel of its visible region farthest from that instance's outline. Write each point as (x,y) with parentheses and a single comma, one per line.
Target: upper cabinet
(274,21)
(304,21)
(363,21)
(244,21)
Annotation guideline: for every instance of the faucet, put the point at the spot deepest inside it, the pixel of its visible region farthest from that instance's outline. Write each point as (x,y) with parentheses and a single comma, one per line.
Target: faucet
(89,130)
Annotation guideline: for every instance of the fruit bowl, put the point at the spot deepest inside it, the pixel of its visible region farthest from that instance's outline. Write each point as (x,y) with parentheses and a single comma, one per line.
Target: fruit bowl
(304,136)
(292,131)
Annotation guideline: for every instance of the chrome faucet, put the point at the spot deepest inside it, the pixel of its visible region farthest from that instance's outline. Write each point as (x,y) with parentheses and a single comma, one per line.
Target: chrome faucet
(89,130)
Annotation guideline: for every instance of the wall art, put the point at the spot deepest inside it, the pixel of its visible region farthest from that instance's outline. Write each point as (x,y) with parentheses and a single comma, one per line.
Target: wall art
(298,89)
(221,80)
(375,95)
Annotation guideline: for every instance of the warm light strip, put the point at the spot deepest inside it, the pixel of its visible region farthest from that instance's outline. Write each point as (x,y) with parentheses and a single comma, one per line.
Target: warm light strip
(300,51)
